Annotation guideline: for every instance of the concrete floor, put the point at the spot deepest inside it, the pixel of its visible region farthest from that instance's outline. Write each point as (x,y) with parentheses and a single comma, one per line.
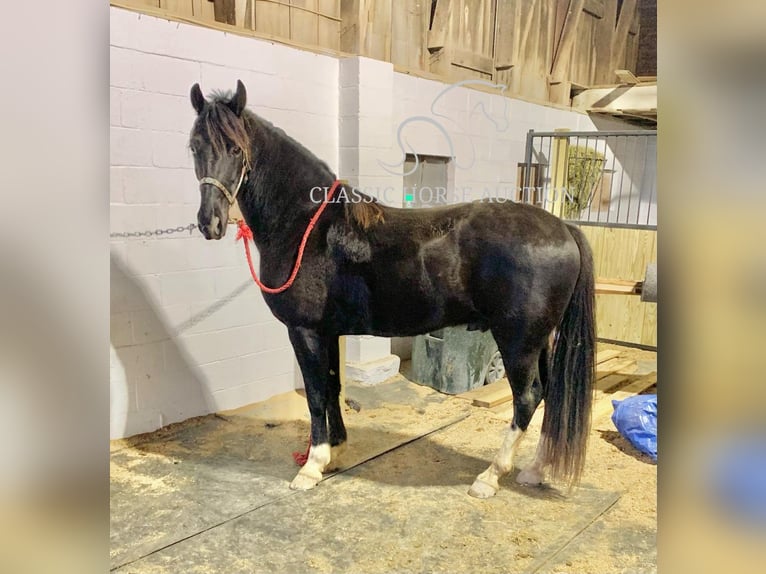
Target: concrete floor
(211,495)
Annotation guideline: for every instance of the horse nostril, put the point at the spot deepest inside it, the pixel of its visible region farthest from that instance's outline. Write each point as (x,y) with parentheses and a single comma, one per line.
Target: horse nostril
(215,226)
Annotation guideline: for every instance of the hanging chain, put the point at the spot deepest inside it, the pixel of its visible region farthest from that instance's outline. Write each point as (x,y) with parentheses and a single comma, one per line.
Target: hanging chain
(149,233)
(205,313)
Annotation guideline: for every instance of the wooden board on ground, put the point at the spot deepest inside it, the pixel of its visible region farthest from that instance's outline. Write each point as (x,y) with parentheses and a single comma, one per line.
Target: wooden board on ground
(489,395)
(604,407)
(499,392)
(606,354)
(609,382)
(615,365)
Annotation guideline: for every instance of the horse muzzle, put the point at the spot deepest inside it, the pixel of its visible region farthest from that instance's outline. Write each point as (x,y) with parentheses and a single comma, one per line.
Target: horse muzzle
(216,229)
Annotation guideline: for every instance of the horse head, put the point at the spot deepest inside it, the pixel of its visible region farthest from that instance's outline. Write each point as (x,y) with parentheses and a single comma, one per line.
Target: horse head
(222,154)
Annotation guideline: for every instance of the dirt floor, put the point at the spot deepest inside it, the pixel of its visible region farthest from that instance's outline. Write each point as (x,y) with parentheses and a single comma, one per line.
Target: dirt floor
(210,494)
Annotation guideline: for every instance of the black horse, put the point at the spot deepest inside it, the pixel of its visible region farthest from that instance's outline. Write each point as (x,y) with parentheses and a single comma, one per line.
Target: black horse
(371,269)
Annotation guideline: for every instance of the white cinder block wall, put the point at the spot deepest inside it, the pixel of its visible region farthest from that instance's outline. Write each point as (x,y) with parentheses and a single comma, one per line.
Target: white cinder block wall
(176,352)
(169,362)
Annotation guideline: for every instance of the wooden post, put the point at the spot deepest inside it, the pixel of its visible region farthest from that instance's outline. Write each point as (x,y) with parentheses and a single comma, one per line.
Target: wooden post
(559,173)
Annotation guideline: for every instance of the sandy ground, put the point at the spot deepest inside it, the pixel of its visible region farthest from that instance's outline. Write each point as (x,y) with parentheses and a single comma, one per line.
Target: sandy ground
(172,484)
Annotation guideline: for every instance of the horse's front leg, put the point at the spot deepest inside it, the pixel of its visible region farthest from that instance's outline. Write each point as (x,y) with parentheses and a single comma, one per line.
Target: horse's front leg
(311,350)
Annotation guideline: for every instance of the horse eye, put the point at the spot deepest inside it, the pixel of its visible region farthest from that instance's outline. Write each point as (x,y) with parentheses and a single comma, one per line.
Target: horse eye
(235,150)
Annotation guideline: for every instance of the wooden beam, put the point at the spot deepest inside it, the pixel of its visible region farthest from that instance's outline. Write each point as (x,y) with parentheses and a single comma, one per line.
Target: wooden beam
(626,77)
(618,286)
(640,97)
(568,35)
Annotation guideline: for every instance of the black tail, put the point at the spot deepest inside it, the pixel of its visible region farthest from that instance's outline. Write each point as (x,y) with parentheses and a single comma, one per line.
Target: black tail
(566,421)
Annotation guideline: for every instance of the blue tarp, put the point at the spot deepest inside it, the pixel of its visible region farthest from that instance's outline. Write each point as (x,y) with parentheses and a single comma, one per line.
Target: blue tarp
(636,419)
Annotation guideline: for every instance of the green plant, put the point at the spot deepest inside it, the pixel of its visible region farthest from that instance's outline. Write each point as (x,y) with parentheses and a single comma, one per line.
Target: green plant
(585,166)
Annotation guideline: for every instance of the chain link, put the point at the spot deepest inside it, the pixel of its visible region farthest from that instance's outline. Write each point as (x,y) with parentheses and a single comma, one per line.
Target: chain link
(158,232)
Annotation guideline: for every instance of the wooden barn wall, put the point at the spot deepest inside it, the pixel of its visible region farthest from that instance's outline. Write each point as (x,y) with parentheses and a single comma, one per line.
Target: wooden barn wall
(624,254)
(539,49)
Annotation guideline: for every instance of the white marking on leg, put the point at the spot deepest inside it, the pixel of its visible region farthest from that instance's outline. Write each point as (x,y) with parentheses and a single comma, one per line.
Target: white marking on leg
(486,484)
(311,472)
(534,473)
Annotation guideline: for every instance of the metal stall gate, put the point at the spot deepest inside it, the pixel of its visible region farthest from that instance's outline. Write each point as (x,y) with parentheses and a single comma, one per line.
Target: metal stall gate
(606,183)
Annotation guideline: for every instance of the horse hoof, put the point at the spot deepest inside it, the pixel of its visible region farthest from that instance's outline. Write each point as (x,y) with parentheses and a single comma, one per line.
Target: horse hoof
(480,489)
(304,482)
(530,477)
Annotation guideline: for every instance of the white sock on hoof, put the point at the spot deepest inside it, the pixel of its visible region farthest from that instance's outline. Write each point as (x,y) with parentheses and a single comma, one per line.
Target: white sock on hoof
(311,472)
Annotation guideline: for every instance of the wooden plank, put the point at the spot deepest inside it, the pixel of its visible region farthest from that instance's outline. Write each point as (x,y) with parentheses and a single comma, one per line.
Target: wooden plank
(568,35)
(611,382)
(613,366)
(249,15)
(531,10)
(620,39)
(473,61)
(603,407)
(594,8)
(351,28)
(440,29)
(500,396)
(304,21)
(602,49)
(606,354)
(626,97)
(507,34)
(626,77)
(272,18)
(489,395)
(618,287)
(409,31)
(478,392)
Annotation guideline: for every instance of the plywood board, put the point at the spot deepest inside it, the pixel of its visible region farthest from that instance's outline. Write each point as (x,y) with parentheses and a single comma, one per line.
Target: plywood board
(623,254)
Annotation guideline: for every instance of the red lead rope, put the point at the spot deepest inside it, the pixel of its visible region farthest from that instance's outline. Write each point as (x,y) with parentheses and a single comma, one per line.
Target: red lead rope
(246,233)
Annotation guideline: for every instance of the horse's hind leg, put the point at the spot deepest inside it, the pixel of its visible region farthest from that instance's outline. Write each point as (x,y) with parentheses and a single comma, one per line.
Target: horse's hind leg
(533,474)
(527,388)
(336,428)
(311,350)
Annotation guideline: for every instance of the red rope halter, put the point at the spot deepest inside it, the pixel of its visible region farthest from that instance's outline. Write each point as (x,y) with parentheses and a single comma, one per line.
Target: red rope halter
(246,233)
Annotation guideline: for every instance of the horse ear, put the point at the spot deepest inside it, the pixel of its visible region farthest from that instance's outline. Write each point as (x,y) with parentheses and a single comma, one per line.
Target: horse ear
(238,102)
(197,99)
